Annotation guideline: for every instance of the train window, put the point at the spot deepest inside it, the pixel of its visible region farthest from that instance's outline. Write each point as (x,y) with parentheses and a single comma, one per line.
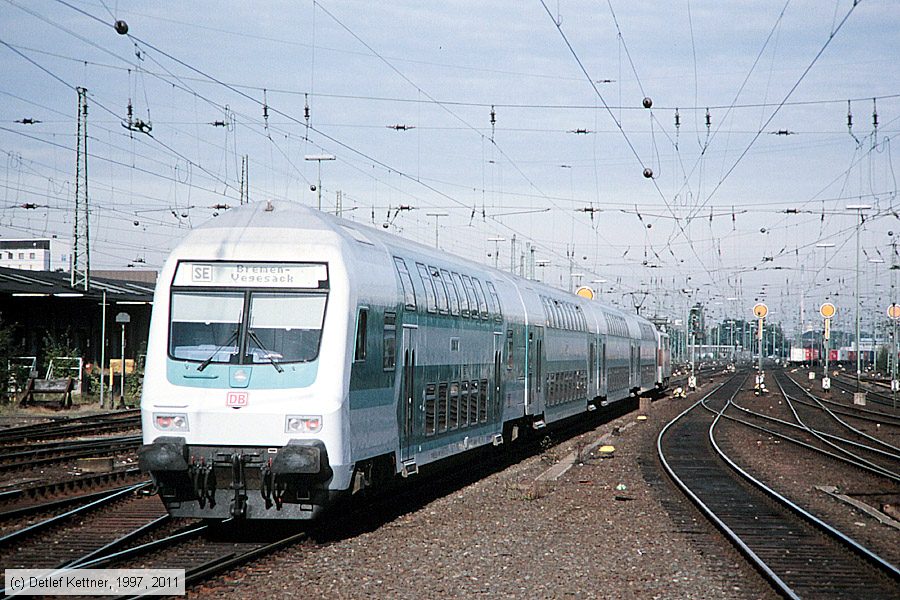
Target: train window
(453,418)
(205,326)
(389,344)
(359,353)
(442,407)
(429,409)
(491,300)
(483,401)
(461,292)
(441,290)
(428,284)
(479,294)
(409,292)
(499,311)
(454,344)
(463,403)
(473,402)
(509,349)
(452,293)
(470,294)
(284,327)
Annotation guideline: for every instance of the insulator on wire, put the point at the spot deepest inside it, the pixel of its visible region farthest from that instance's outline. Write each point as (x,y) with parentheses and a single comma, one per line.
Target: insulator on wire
(493,121)
(708,119)
(677,119)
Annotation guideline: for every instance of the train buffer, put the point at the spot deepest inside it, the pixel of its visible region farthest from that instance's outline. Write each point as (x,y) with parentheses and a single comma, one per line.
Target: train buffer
(61,388)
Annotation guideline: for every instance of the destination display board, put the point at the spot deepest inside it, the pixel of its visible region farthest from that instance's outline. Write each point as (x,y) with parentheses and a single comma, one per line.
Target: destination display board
(251,275)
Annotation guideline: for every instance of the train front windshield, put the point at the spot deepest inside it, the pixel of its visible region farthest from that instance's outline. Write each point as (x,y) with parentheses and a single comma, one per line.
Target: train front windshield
(246,326)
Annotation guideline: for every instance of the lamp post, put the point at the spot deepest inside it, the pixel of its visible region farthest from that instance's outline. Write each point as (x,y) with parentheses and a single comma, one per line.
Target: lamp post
(319,158)
(859,397)
(123,318)
(496,241)
(575,281)
(875,319)
(437,218)
(542,263)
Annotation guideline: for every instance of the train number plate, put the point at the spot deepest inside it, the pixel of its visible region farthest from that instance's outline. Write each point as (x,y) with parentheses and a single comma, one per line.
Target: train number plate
(236,399)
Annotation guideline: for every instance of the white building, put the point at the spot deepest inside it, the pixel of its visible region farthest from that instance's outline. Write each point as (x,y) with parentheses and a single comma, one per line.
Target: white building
(37,254)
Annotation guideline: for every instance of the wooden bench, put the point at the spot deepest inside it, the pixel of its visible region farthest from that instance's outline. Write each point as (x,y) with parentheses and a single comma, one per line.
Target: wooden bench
(61,387)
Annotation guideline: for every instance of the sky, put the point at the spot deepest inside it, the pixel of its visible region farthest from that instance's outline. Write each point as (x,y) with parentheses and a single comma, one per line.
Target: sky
(479,123)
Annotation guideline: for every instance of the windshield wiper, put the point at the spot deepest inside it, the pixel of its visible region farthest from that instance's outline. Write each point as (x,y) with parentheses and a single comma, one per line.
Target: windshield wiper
(231,338)
(268,353)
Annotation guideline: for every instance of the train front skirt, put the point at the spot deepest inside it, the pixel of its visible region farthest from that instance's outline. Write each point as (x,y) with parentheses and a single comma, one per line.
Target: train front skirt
(219,482)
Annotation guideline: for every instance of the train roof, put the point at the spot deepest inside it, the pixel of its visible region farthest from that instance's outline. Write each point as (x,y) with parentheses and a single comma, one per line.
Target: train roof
(259,221)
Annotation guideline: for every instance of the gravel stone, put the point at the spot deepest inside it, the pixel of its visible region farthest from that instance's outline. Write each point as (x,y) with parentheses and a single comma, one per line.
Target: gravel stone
(608,528)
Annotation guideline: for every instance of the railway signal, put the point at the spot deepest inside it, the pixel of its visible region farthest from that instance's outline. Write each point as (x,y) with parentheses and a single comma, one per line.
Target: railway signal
(827,310)
(893,311)
(760,310)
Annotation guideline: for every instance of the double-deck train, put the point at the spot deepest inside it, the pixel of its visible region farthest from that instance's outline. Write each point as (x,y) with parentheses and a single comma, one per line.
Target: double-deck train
(295,356)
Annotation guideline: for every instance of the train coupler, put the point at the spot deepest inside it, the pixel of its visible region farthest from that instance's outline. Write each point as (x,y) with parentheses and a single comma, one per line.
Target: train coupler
(267,484)
(203,481)
(239,485)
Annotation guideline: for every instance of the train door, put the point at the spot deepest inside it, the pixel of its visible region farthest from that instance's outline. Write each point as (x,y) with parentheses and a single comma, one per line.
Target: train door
(635,365)
(497,400)
(536,372)
(408,392)
(604,373)
(592,370)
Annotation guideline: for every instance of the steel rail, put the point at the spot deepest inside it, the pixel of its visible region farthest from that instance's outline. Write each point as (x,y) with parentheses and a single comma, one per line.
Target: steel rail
(112,496)
(768,571)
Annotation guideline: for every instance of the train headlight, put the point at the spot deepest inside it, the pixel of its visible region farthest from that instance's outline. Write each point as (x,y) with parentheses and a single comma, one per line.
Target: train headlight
(170,421)
(303,424)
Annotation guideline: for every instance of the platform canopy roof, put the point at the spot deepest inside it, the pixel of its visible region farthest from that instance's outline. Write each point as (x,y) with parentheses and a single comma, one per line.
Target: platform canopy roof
(37,284)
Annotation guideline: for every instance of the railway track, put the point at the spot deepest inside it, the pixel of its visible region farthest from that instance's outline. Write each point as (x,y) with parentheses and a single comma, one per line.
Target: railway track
(42,454)
(800,555)
(72,427)
(873,395)
(820,431)
(842,408)
(205,550)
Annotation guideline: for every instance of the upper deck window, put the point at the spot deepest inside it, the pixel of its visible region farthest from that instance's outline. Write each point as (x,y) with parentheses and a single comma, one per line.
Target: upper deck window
(442,301)
(409,292)
(428,284)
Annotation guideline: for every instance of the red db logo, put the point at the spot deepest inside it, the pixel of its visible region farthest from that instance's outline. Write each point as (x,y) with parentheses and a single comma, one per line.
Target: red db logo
(236,399)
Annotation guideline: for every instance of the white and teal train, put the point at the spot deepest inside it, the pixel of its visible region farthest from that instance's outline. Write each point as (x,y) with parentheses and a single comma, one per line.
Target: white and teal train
(295,356)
